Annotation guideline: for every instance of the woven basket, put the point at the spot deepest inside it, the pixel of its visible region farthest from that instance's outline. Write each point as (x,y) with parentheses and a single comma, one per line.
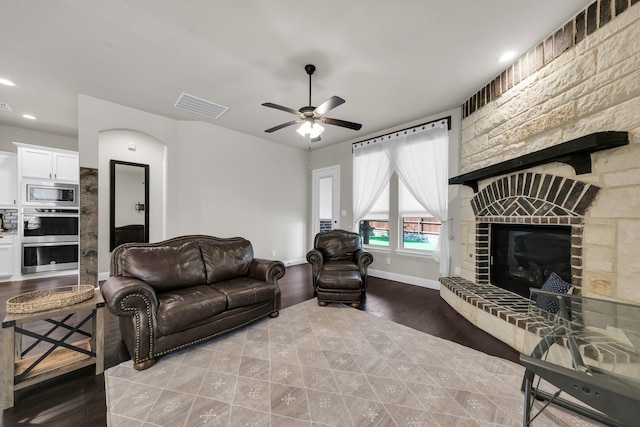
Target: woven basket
(49,299)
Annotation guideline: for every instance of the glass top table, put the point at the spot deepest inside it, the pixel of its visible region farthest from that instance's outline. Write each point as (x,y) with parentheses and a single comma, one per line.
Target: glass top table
(587,348)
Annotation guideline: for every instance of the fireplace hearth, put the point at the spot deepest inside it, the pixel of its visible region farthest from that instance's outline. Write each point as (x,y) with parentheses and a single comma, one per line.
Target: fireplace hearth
(523,256)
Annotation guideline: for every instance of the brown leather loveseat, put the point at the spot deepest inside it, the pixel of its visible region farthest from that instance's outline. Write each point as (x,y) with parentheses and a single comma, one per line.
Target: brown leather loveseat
(182,291)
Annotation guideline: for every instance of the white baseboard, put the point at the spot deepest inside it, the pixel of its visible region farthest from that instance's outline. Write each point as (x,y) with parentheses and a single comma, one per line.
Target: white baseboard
(412,280)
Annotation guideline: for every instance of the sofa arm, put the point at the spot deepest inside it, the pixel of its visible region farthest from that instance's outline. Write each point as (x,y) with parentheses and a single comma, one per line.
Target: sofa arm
(266,270)
(363,258)
(125,295)
(316,259)
(136,303)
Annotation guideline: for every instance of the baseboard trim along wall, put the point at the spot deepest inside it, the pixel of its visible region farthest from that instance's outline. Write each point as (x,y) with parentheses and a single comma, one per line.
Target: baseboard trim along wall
(403,278)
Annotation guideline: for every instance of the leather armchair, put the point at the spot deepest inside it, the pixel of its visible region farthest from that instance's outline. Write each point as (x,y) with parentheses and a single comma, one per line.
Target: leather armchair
(339,267)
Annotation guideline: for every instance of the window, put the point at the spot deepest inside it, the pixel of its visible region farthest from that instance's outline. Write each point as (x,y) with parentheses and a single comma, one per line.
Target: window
(420,231)
(374,228)
(419,158)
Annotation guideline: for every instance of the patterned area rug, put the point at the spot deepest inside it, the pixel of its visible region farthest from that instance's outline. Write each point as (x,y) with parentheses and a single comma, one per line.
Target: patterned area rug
(324,366)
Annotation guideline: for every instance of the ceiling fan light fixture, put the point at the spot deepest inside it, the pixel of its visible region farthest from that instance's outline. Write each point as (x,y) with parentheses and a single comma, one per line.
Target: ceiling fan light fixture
(316,130)
(311,129)
(304,129)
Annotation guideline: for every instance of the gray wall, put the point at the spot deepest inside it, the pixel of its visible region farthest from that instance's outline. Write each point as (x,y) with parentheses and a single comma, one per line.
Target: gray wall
(9,135)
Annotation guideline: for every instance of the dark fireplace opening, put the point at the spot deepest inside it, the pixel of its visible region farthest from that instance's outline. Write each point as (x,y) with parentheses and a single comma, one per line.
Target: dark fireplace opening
(523,256)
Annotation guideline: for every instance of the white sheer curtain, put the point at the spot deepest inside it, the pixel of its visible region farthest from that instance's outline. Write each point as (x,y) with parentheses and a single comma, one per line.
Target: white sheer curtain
(371,173)
(421,162)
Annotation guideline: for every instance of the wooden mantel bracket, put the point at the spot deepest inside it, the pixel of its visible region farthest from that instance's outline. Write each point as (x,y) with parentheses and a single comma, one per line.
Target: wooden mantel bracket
(576,153)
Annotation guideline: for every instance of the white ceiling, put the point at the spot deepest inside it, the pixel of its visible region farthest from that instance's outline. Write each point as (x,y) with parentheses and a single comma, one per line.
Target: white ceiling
(392,61)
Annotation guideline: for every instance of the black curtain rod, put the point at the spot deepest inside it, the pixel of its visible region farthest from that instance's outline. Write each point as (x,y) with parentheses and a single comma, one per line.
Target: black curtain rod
(448,119)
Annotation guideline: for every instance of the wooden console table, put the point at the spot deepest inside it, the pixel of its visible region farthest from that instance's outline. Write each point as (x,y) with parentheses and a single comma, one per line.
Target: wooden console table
(63,356)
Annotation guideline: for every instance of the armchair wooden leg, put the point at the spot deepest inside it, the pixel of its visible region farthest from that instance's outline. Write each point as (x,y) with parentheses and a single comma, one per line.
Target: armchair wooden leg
(274,314)
(144,365)
(355,304)
(322,303)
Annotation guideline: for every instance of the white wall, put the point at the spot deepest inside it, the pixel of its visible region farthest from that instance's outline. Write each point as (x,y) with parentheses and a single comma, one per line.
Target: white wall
(10,134)
(232,184)
(410,269)
(218,181)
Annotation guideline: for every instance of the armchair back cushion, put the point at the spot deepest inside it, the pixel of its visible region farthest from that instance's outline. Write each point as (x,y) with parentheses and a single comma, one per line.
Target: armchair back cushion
(164,267)
(337,246)
(226,260)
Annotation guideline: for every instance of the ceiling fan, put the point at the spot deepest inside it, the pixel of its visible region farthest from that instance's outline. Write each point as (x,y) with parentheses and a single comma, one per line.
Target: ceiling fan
(310,116)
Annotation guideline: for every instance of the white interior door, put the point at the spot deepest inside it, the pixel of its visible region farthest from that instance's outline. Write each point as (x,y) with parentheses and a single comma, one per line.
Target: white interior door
(326,199)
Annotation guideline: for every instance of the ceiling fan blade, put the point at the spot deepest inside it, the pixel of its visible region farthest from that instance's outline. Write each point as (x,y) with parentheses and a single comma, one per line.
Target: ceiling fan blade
(316,139)
(280,107)
(343,123)
(284,125)
(329,104)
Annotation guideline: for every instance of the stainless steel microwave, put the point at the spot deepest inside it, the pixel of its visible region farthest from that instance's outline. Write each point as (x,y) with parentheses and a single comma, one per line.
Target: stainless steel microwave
(51,194)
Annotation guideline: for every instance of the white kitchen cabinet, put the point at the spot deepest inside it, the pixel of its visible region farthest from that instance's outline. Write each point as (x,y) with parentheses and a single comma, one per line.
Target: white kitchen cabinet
(48,164)
(6,255)
(8,178)
(66,167)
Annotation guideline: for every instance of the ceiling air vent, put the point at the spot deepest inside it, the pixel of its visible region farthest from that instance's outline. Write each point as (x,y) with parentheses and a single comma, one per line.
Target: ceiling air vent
(5,107)
(200,106)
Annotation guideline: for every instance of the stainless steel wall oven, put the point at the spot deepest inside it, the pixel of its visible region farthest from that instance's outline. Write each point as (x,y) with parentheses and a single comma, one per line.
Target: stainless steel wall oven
(50,239)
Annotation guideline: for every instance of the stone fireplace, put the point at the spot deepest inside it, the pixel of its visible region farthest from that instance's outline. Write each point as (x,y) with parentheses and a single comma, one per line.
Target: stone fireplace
(576,83)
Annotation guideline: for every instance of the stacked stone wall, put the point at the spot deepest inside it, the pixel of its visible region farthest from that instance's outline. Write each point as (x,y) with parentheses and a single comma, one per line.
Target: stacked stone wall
(592,86)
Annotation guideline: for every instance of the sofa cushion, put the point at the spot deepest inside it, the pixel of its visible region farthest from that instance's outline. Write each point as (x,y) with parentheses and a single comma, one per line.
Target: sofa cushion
(182,308)
(340,280)
(244,291)
(340,265)
(165,267)
(226,260)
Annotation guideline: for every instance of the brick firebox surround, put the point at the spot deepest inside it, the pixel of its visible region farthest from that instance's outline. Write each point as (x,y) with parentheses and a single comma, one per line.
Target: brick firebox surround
(533,199)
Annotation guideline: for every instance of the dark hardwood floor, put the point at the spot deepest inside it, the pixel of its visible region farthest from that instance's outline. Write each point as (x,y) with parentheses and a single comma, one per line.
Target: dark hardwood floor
(78,398)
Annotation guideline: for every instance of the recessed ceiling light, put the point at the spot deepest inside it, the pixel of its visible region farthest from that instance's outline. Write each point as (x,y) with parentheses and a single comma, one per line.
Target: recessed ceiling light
(507,56)
(29,116)
(7,82)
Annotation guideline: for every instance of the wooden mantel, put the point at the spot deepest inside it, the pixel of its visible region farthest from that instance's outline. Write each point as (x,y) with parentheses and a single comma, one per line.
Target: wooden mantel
(576,153)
